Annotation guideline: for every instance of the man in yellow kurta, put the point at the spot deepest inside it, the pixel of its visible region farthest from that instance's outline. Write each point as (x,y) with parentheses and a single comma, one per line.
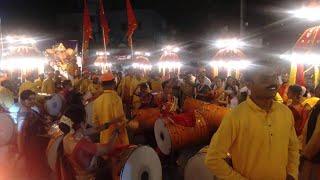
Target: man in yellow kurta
(108,107)
(48,85)
(124,87)
(38,82)
(259,134)
(85,83)
(6,95)
(95,87)
(27,85)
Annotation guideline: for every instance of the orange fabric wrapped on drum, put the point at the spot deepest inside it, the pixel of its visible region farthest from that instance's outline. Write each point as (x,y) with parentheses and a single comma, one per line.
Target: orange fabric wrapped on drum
(213,115)
(171,136)
(191,104)
(146,118)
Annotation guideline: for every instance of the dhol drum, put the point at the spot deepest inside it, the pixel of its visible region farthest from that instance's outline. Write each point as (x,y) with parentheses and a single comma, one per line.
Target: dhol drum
(191,104)
(171,137)
(7,129)
(196,164)
(52,149)
(137,163)
(54,105)
(145,119)
(213,114)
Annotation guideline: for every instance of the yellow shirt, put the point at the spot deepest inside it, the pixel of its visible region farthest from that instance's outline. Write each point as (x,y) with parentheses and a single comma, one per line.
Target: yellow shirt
(156,85)
(84,85)
(95,89)
(311,102)
(48,86)
(106,107)
(38,84)
(6,98)
(124,88)
(262,145)
(278,98)
(27,85)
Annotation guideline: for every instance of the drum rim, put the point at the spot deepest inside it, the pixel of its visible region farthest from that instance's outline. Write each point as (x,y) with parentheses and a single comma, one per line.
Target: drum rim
(202,156)
(144,167)
(46,104)
(49,149)
(156,132)
(12,124)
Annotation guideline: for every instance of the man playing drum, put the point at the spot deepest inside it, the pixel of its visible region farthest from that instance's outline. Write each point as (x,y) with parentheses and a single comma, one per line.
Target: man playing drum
(108,106)
(259,134)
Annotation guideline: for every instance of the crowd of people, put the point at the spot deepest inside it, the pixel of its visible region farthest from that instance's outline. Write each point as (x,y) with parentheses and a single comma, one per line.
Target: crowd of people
(273,126)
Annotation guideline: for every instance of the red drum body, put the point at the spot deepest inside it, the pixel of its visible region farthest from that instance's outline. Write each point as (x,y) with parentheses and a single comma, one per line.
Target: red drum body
(171,137)
(52,150)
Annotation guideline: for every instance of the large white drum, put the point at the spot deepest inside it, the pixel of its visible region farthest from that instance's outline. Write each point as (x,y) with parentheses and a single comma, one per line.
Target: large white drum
(196,169)
(138,163)
(7,129)
(54,105)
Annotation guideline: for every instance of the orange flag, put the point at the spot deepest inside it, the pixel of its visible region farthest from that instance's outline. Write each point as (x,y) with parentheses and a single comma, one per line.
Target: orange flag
(87,35)
(132,22)
(104,24)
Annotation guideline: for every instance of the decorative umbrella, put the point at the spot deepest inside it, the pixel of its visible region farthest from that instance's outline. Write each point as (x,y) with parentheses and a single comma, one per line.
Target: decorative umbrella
(229,59)
(102,61)
(22,55)
(142,63)
(170,60)
(305,52)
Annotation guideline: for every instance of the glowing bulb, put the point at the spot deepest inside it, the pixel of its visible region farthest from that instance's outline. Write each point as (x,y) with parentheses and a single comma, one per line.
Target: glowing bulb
(229,43)
(308,13)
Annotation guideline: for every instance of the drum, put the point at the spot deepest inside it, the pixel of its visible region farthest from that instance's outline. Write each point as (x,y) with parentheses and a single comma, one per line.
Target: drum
(137,163)
(196,164)
(171,137)
(191,104)
(52,150)
(54,105)
(213,114)
(7,129)
(145,119)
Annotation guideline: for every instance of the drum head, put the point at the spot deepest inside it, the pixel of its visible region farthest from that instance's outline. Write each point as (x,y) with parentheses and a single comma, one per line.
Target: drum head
(7,129)
(54,105)
(52,151)
(196,164)
(162,136)
(143,164)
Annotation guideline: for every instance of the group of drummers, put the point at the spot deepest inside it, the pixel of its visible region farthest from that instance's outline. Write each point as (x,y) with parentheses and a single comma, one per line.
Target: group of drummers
(92,138)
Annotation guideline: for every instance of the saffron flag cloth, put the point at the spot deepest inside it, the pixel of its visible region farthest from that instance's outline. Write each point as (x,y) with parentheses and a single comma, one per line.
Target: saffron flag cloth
(132,22)
(87,34)
(104,24)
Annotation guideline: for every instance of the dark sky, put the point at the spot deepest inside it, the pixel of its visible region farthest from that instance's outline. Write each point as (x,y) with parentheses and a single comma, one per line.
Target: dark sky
(192,19)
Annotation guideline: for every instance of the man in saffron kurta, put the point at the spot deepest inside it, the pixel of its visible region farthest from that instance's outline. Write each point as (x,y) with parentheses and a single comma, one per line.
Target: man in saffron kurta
(108,107)
(259,134)
(48,85)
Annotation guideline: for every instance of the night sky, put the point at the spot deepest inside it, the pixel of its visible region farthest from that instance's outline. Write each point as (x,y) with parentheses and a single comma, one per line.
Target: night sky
(195,20)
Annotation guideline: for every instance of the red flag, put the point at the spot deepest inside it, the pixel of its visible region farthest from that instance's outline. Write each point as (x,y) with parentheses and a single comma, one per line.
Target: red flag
(87,34)
(132,22)
(104,25)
